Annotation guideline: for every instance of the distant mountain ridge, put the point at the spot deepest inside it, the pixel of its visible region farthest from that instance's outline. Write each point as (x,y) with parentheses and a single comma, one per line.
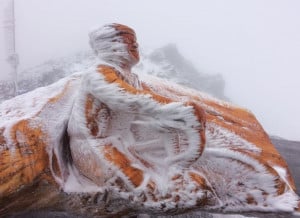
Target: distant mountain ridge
(167,62)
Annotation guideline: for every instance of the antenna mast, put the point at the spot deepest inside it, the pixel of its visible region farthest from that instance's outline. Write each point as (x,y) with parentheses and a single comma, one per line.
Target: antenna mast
(13,58)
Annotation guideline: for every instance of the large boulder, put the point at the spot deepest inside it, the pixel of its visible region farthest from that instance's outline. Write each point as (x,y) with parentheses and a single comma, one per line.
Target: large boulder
(153,144)
(93,132)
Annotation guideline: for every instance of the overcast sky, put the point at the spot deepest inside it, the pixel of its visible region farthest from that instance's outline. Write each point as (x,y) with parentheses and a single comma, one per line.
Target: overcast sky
(254,44)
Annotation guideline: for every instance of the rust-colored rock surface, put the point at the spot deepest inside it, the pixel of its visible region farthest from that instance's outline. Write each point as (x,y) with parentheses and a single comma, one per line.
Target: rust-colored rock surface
(27,142)
(26,161)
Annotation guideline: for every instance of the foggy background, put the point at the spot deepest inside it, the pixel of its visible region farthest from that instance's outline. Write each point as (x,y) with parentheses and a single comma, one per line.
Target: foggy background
(254,44)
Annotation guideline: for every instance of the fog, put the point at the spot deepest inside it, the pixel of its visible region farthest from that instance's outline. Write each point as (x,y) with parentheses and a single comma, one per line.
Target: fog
(254,44)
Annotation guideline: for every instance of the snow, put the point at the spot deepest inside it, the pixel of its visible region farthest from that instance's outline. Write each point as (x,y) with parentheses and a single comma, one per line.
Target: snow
(152,122)
(101,42)
(160,140)
(222,167)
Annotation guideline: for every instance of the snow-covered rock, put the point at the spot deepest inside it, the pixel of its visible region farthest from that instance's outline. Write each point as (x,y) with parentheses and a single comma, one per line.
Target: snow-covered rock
(239,169)
(154,143)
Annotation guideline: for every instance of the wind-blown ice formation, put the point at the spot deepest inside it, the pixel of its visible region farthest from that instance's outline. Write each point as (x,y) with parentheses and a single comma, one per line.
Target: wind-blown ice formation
(159,145)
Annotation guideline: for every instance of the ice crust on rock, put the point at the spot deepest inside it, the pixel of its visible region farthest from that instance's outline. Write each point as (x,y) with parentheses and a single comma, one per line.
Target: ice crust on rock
(157,144)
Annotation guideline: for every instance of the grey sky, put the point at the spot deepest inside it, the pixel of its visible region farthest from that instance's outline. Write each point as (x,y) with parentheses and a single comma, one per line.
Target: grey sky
(255,44)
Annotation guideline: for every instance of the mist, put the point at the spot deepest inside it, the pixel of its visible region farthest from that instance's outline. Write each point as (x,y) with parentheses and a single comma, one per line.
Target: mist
(254,44)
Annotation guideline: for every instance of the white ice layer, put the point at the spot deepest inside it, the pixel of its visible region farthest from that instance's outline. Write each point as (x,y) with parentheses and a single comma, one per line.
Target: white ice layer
(138,123)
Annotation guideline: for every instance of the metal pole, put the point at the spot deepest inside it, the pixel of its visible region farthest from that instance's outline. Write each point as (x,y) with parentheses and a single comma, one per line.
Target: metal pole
(15,55)
(12,56)
(9,85)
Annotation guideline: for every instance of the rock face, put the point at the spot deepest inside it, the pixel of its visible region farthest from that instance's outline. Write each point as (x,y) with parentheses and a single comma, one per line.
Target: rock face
(31,131)
(137,152)
(154,144)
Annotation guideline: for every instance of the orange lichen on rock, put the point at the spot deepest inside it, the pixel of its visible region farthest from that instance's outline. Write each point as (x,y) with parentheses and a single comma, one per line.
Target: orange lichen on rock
(60,95)
(199,180)
(2,138)
(244,124)
(201,115)
(120,160)
(250,199)
(111,76)
(25,139)
(91,115)
(21,165)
